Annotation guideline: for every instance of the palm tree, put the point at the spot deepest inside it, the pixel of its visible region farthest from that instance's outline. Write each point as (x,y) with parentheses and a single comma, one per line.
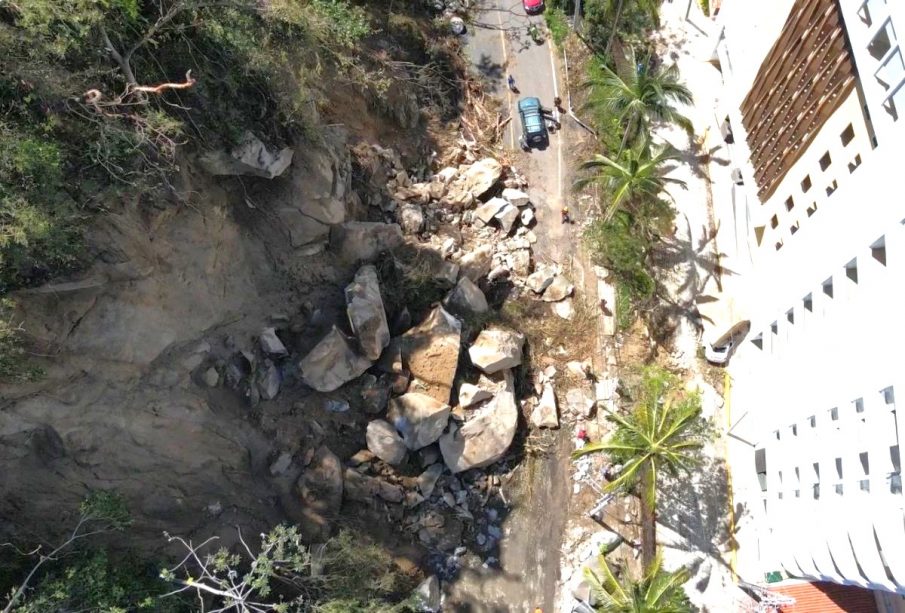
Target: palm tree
(644,94)
(651,7)
(634,176)
(658,591)
(663,431)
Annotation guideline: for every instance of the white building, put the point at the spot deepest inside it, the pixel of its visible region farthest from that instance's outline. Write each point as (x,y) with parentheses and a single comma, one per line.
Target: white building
(812,226)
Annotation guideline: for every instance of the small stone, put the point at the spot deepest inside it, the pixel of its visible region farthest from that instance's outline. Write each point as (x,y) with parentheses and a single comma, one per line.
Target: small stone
(564,309)
(427,480)
(496,349)
(544,414)
(281,464)
(390,492)
(334,405)
(465,298)
(271,344)
(526,217)
(410,218)
(384,442)
(211,377)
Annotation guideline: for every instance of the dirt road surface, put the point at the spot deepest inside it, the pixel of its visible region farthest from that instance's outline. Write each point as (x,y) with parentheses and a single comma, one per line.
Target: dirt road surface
(499,45)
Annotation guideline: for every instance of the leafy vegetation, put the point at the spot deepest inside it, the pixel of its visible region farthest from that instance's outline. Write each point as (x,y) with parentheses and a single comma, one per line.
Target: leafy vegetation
(558,24)
(663,431)
(656,591)
(348,573)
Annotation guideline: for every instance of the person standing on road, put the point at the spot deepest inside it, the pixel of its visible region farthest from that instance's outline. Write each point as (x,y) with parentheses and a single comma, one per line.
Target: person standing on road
(511,81)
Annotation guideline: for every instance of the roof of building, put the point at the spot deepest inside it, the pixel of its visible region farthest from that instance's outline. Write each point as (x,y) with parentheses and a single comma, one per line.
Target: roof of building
(824,597)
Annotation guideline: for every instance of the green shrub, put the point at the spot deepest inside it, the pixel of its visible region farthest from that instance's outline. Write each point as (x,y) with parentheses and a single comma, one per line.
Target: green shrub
(558,24)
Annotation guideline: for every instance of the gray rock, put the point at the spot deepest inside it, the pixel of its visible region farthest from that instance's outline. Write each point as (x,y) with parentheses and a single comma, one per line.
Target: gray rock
(496,349)
(540,280)
(446,175)
(332,363)
(334,405)
(431,351)
(426,596)
(465,298)
(363,241)
(560,289)
(521,261)
(419,418)
(410,218)
(516,197)
(321,486)
(486,437)
(429,455)
(250,157)
(390,492)
(367,317)
(506,217)
(580,402)
(359,487)
(448,271)
(564,309)
(374,394)
(486,212)
(269,380)
(281,464)
(271,344)
(385,442)
(481,176)
(544,414)
(211,377)
(470,394)
(427,480)
(475,264)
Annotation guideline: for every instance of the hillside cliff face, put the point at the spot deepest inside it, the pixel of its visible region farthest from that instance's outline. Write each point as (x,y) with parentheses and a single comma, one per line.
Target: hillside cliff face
(177,289)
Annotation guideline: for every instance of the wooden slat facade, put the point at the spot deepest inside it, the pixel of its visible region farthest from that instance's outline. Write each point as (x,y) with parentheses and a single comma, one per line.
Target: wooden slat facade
(804,79)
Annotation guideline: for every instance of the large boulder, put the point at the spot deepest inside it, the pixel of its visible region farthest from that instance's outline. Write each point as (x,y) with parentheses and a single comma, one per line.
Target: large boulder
(559,289)
(544,414)
(332,363)
(321,487)
(250,158)
(419,418)
(485,438)
(476,263)
(481,176)
(470,394)
(516,197)
(367,317)
(385,442)
(426,597)
(496,349)
(488,211)
(466,298)
(540,280)
(363,241)
(411,218)
(431,353)
(506,217)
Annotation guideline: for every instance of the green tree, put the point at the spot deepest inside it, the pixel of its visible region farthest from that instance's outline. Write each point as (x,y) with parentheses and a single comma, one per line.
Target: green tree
(658,591)
(663,431)
(650,7)
(641,95)
(631,179)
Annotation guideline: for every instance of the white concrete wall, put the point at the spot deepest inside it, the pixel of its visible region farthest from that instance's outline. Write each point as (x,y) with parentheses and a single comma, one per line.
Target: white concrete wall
(841,357)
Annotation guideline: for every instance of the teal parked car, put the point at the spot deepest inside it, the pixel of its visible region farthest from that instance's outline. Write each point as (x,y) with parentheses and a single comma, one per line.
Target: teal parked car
(534,127)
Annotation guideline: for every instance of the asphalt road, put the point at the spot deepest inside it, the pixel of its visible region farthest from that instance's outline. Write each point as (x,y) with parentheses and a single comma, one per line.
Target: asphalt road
(529,553)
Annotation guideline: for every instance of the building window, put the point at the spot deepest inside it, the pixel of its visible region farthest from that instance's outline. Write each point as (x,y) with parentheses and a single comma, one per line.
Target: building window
(790,316)
(812,209)
(825,161)
(813,421)
(790,204)
(828,287)
(778,245)
(774,328)
(816,491)
(795,433)
(806,183)
(839,489)
(774,221)
(847,135)
(851,270)
(853,165)
(831,188)
(794,227)
(864,485)
(889,395)
(834,413)
(758,341)
(872,11)
(878,250)
(839,467)
(859,405)
(865,463)
(882,42)
(808,303)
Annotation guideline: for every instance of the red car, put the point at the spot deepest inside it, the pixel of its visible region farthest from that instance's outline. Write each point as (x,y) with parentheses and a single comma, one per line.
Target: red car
(533,7)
